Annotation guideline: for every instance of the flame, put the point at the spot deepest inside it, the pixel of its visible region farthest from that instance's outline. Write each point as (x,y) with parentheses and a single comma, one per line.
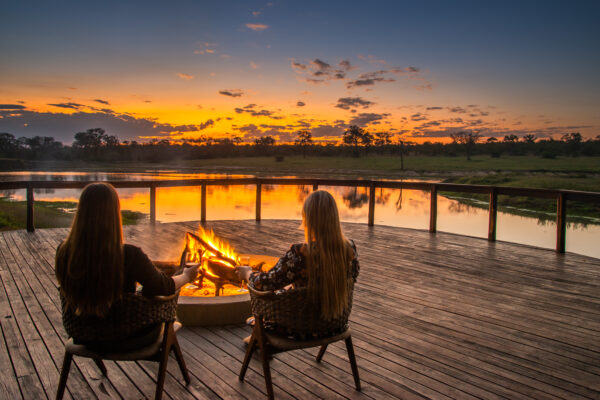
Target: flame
(197,251)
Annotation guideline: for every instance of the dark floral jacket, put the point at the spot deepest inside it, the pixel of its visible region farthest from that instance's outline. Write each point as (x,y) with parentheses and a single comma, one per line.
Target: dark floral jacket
(291,269)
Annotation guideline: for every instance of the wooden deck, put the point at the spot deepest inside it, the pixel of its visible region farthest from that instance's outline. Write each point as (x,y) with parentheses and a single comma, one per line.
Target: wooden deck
(435,316)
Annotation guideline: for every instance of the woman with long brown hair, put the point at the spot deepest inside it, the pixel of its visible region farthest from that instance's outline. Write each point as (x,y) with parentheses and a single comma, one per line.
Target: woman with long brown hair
(323,263)
(95,268)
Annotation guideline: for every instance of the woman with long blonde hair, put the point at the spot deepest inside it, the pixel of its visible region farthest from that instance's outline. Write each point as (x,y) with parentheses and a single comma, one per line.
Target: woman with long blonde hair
(95,268)
(324,263)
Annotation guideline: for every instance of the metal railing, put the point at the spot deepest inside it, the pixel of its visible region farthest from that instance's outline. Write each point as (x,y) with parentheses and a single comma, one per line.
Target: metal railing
(561,196)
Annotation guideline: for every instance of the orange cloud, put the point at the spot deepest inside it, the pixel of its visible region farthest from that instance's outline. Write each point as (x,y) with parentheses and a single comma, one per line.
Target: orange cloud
(186,77)
(257,27)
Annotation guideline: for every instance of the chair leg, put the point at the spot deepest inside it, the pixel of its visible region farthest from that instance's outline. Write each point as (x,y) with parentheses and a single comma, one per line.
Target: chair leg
(179,357)
(101,366)
(321,353)
(64,374)
(265,356)
(352,359)
(248,357)
(163,360)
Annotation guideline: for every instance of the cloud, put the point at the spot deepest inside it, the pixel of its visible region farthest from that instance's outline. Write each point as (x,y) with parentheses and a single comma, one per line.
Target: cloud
(369,79)
(251,109)
(327,130)
(254,65)
(427,86)
(185,77)
(232,92)
(345,65)
(300,104)
(345,103)
(102,101)
(318,71)
(434,108)
(11,107)
(257,27)
(372,59)
(256,13)
(63,126)
(206,48)
(458,110)
(206,124)
(418,117)
(363,119)
(71,105)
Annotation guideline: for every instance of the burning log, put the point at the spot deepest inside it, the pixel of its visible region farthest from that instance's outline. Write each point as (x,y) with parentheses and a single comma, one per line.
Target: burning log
(217,259)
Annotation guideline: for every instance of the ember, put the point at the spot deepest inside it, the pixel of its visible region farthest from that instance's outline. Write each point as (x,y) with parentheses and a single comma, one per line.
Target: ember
(217,261)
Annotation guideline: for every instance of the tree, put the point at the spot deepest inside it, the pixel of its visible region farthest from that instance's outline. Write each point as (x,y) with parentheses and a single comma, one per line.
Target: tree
(401,143)
(492,139)
(94,138)
(573,141)
(90,139)
(529,138)
(8,144)
(511,139)
(265,141)
(303,140)
(382,139)
(467,139)
(355,136)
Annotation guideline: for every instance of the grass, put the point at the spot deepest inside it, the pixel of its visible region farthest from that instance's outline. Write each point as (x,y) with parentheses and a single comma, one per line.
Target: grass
(48,214)
(543,209)
(372,164)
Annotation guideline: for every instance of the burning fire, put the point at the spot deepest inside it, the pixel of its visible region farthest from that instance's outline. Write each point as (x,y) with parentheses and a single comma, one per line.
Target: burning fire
(217,260)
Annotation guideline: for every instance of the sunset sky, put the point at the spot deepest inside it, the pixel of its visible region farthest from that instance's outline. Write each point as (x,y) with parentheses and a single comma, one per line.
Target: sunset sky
(419,69)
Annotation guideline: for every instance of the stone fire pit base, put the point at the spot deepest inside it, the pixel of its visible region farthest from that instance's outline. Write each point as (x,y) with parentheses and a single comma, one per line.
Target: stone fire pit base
(220,310)
(215,310)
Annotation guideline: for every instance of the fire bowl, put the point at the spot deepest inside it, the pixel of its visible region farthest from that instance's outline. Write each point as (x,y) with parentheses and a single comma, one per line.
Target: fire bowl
(215,310)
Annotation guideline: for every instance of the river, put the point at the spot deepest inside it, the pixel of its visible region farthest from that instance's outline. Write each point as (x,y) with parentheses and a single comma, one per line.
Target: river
(394,207)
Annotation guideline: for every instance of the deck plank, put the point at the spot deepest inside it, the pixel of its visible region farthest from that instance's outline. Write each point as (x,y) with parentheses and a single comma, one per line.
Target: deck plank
(435,316)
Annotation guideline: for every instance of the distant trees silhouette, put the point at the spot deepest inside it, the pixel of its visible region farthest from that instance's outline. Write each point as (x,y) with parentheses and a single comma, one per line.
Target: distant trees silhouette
(96,145)
(303,140)
(467,139)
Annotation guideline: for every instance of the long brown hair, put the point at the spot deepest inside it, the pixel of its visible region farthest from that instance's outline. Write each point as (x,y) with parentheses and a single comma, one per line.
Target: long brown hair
(89,263)
(328,254)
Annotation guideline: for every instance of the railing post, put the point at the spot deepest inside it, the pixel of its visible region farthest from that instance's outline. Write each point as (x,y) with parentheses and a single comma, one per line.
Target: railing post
(152,203)
(561,223)
(493,215)
(372,204)
(30,224)
(258,193)
(203,203)
(315,187)
(433,209)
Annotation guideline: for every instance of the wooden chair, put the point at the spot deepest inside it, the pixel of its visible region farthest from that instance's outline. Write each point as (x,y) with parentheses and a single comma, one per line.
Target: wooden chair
(293,313)
(161,307)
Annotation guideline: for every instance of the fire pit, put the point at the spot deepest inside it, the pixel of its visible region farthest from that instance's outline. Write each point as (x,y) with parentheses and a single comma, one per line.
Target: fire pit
(216,297)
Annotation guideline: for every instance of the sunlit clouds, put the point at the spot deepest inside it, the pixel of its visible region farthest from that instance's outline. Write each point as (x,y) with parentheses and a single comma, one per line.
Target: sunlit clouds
(262,68)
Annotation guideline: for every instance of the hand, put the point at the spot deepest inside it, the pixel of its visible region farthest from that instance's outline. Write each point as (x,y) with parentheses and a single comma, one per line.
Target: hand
(191,272)
(243,272)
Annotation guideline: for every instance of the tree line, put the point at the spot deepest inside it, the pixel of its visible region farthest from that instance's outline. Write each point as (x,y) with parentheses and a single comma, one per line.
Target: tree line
(95,145)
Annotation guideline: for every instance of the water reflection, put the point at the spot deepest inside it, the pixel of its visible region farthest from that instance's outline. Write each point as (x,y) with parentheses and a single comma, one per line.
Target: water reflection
(395,207)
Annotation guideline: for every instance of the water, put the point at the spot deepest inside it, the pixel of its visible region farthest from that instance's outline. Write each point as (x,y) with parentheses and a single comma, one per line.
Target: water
(394,207)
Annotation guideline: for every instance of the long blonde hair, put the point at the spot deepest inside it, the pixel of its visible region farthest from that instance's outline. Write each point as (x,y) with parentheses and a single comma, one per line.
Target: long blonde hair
(89,263)
(328,254)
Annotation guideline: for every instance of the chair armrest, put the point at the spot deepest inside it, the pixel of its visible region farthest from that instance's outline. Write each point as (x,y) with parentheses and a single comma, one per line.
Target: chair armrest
(165,298)
(263,294)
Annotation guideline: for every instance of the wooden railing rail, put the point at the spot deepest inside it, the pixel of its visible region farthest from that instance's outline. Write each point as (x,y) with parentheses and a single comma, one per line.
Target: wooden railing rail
(561,196)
